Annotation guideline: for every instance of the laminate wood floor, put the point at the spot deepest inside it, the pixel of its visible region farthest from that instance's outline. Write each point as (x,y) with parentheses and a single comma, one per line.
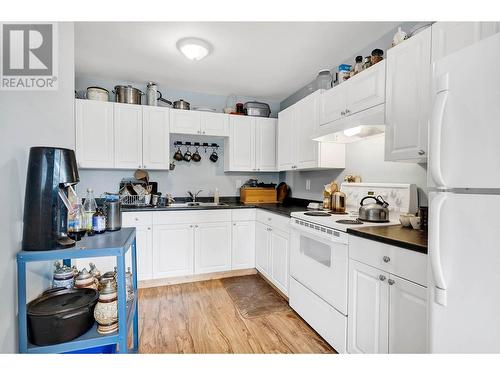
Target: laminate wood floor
(201,317)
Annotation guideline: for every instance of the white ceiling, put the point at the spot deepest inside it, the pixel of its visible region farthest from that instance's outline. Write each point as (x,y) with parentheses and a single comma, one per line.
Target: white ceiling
(268,60)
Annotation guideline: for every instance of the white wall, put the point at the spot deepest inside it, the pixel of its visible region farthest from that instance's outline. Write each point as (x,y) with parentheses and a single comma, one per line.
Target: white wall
(29,118)
(364,158)
(186,176)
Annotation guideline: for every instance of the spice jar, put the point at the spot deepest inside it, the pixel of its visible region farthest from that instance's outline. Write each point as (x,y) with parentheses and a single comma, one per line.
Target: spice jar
(377,56)
(367,63)
(106,309)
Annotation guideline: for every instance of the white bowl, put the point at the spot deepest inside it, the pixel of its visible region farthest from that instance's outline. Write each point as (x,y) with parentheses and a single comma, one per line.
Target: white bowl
(404,219)
(415,222)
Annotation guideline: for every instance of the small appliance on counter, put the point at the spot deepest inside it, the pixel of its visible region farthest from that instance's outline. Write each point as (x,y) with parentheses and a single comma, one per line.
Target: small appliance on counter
(51,172)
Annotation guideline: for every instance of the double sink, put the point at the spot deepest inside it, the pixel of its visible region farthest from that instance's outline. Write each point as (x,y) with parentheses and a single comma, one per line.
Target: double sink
(196,204)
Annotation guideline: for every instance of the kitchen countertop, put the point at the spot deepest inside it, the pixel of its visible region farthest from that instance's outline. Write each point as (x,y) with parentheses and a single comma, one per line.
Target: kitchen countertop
(396,235)
(284,210)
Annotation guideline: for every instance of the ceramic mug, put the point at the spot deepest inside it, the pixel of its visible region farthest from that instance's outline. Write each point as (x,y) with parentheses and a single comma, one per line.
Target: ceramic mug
(214,157)
(187,156)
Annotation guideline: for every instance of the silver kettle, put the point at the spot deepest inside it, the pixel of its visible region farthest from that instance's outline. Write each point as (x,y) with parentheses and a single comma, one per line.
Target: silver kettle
(374,212)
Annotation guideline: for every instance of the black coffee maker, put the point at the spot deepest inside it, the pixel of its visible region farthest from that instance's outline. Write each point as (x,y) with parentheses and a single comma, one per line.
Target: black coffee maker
(51,171)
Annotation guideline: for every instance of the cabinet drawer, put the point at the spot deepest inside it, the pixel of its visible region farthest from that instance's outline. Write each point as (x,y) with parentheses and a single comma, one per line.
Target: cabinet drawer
(273,220)
(401,262)
(243,214)
(190,217)
(328,322)
(134,219)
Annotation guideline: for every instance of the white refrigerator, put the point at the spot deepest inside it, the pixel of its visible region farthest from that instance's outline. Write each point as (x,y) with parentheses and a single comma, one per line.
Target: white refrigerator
(464,202)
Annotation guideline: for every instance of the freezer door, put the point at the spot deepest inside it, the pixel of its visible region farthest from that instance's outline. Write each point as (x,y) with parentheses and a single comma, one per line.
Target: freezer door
(464,133)
(464,282)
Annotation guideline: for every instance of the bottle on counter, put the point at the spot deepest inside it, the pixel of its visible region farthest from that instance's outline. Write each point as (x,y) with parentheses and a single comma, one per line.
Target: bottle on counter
(216,196)
(89,209)
(99,221)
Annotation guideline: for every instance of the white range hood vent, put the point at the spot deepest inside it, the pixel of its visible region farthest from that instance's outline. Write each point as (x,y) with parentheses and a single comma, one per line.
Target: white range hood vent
(361,125)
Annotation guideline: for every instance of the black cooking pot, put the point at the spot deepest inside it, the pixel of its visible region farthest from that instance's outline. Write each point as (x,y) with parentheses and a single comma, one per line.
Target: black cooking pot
(60,315)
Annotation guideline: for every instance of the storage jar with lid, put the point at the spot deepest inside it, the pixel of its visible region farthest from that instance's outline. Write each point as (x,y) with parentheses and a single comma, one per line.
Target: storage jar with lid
(152,94)
(63,276)
(106,310)
(324,80)
(85,280)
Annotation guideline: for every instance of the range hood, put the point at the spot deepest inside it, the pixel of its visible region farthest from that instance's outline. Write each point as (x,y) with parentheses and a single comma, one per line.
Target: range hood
(358,126)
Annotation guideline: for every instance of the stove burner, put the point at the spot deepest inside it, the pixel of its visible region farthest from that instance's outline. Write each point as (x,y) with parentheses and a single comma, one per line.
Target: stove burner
(338,213)
(317,213)
(350,222)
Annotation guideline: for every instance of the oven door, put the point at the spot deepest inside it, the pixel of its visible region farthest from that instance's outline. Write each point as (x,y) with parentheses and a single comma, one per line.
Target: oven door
(319,261)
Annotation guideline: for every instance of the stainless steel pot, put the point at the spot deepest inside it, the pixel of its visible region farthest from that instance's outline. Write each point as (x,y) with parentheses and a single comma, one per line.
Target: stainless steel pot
(376,212)
(181,104)
(127,94)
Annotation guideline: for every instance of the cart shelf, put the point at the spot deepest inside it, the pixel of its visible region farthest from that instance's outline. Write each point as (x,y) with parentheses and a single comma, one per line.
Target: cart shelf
(107,244)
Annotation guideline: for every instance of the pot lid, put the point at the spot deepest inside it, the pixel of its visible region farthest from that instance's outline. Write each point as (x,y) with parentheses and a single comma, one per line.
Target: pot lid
(60,301)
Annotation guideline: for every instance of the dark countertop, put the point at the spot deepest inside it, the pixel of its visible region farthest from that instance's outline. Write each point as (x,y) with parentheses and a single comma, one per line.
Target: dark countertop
(294,205)
(396,235)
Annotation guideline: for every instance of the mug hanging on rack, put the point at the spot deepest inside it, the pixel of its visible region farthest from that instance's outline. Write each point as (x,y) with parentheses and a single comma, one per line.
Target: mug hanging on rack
(196,157)
(187,154)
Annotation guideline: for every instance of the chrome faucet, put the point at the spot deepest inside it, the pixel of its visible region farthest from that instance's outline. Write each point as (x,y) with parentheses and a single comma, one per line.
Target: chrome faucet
(194,196)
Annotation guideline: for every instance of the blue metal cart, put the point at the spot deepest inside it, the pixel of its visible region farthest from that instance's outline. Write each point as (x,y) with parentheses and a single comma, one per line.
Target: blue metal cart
(103,245)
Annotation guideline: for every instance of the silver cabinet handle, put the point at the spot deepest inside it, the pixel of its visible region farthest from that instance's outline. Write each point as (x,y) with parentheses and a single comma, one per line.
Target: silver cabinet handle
(203,132)
(381,277)
(190,226)
(391,281)
(421,152)
(196,226)
(386,259)
(136,218)
(269,219)
(347,111)
(149,228)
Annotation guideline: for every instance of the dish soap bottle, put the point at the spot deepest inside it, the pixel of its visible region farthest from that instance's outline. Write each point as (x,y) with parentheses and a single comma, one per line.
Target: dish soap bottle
(216,196)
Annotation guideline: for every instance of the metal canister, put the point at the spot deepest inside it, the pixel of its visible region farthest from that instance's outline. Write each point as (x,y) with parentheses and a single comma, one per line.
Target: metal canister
(113,215)
(152,94)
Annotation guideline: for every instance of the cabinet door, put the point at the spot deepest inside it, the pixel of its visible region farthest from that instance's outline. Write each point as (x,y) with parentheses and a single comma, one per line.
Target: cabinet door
(449,37)
(280,243)
(184,122)
(144,252)
(243,245)
(94,134)
(408,98)
(216,124)
(307,125)
(173,250)
(407,317)
(368,309)
(241,143)
(265,144)
(155,138)
(332,104)
(366,89)
(262,249)
(212,247)
(286,139)
(128,135)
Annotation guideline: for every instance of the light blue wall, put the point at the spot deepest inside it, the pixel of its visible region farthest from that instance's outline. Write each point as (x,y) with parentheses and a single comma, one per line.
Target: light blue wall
(196,99)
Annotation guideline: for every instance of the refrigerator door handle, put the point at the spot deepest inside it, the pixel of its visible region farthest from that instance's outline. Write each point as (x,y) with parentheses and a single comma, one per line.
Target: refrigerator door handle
(436,127)
(434,250)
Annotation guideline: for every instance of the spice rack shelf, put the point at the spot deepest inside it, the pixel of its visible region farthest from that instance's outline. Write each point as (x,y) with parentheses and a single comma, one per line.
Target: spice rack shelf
(115,244)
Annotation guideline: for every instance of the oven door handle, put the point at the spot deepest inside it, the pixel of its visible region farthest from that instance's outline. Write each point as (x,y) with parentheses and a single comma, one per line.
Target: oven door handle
(316,235)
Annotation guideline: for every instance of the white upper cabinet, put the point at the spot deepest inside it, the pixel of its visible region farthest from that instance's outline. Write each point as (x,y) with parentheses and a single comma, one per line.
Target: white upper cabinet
(184,122)
(215,124)
(128,135)
(94,134)
(155,138)
(265,144)
(199,122)
(117,135)
(363,91)
(408,99)
(251,145)
(449,37)
(296,149)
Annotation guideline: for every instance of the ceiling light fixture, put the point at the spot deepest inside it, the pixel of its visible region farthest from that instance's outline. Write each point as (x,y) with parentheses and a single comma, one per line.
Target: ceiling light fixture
(194,48)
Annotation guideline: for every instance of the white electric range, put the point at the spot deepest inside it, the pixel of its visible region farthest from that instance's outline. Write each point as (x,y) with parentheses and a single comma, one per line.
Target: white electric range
(319,256)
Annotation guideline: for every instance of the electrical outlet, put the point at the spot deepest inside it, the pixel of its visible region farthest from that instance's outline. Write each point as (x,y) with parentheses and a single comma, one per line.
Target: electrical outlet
(308,184)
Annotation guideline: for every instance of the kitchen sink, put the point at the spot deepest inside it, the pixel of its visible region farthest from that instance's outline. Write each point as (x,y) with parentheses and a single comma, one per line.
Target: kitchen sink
(196,204)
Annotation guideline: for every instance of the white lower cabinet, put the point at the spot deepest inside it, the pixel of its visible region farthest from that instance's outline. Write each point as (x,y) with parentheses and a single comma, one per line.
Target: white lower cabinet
(368,309)
(243,245)
(173,250)
(387,313)
(272,253)
(212,245)
(144,252)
